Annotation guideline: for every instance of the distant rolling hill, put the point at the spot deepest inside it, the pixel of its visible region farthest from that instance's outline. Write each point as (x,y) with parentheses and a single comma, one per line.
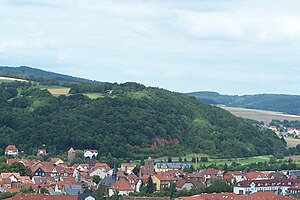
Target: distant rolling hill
(289,104)
(26,72)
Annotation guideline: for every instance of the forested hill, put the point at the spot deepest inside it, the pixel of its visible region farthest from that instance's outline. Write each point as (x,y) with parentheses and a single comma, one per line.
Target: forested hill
(130,121)
(289,104)
(29,73)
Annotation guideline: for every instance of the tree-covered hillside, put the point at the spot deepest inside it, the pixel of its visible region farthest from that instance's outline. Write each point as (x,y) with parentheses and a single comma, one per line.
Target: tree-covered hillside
(274,102)
(30,73)
(132,121)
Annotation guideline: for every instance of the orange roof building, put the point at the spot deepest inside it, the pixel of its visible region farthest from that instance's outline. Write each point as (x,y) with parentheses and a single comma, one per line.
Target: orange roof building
(122,186)
(11,150)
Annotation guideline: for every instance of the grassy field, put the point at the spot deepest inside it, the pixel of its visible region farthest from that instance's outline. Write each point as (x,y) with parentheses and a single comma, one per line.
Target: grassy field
(94,95)
(292,142)
(9,79)
(59,90)
(260,115)
(242,161)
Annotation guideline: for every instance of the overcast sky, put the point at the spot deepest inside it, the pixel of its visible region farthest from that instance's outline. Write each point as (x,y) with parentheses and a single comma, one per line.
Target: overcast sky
(233,47)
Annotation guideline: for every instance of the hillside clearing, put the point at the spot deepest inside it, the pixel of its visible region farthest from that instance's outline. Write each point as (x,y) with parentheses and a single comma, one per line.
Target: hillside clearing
(260,115)
(94,95)
(59,91)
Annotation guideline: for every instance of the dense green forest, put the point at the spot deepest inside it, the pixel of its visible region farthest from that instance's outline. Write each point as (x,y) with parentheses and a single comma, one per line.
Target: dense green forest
(274,102)
(127,123)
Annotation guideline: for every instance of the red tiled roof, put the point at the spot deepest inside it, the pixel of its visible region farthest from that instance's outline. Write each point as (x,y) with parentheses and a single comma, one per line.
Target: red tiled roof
(180,183)
(11,147)
(42,196)
(122,185)
(11,161)
(54,160)
(12,190)
(7,175)
(102,165)
(164,177)
(210,171)
(255,175)
(232,196)
(6,181)
(71,150)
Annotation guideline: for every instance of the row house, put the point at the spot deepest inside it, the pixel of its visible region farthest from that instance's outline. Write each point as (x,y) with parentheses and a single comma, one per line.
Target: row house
(232,196)
(279,186)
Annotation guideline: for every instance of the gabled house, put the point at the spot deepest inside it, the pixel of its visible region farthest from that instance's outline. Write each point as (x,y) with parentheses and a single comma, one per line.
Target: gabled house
(5,183)
(56,161)
(103,166)
(41,152)
(11,150)
(161,181)
(90,153)
(121,187)
(107,182)
(39,172)
(98,172)
(211,174)
(255,175)
(127,167)
(233,177)
(188,184)
(87,196)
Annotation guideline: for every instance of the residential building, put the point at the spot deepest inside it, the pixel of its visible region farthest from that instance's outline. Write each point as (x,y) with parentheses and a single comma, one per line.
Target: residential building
(11,150)
(232,196)
(161,181)
(90,153)
(164,167)
(127,167)
(41,152)
(121,187)
(279,186)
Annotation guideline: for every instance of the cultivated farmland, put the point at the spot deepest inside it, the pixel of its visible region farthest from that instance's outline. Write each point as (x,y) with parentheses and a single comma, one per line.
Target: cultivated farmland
(260,115)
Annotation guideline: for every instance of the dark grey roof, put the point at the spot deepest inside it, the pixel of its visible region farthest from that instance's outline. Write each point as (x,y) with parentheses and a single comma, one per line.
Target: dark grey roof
(83,196)
(108,181)
(73,189)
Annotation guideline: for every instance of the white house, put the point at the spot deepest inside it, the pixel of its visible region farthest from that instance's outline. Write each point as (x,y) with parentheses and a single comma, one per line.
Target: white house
(279,186)
(89,153)
(99,172)
(11,150)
